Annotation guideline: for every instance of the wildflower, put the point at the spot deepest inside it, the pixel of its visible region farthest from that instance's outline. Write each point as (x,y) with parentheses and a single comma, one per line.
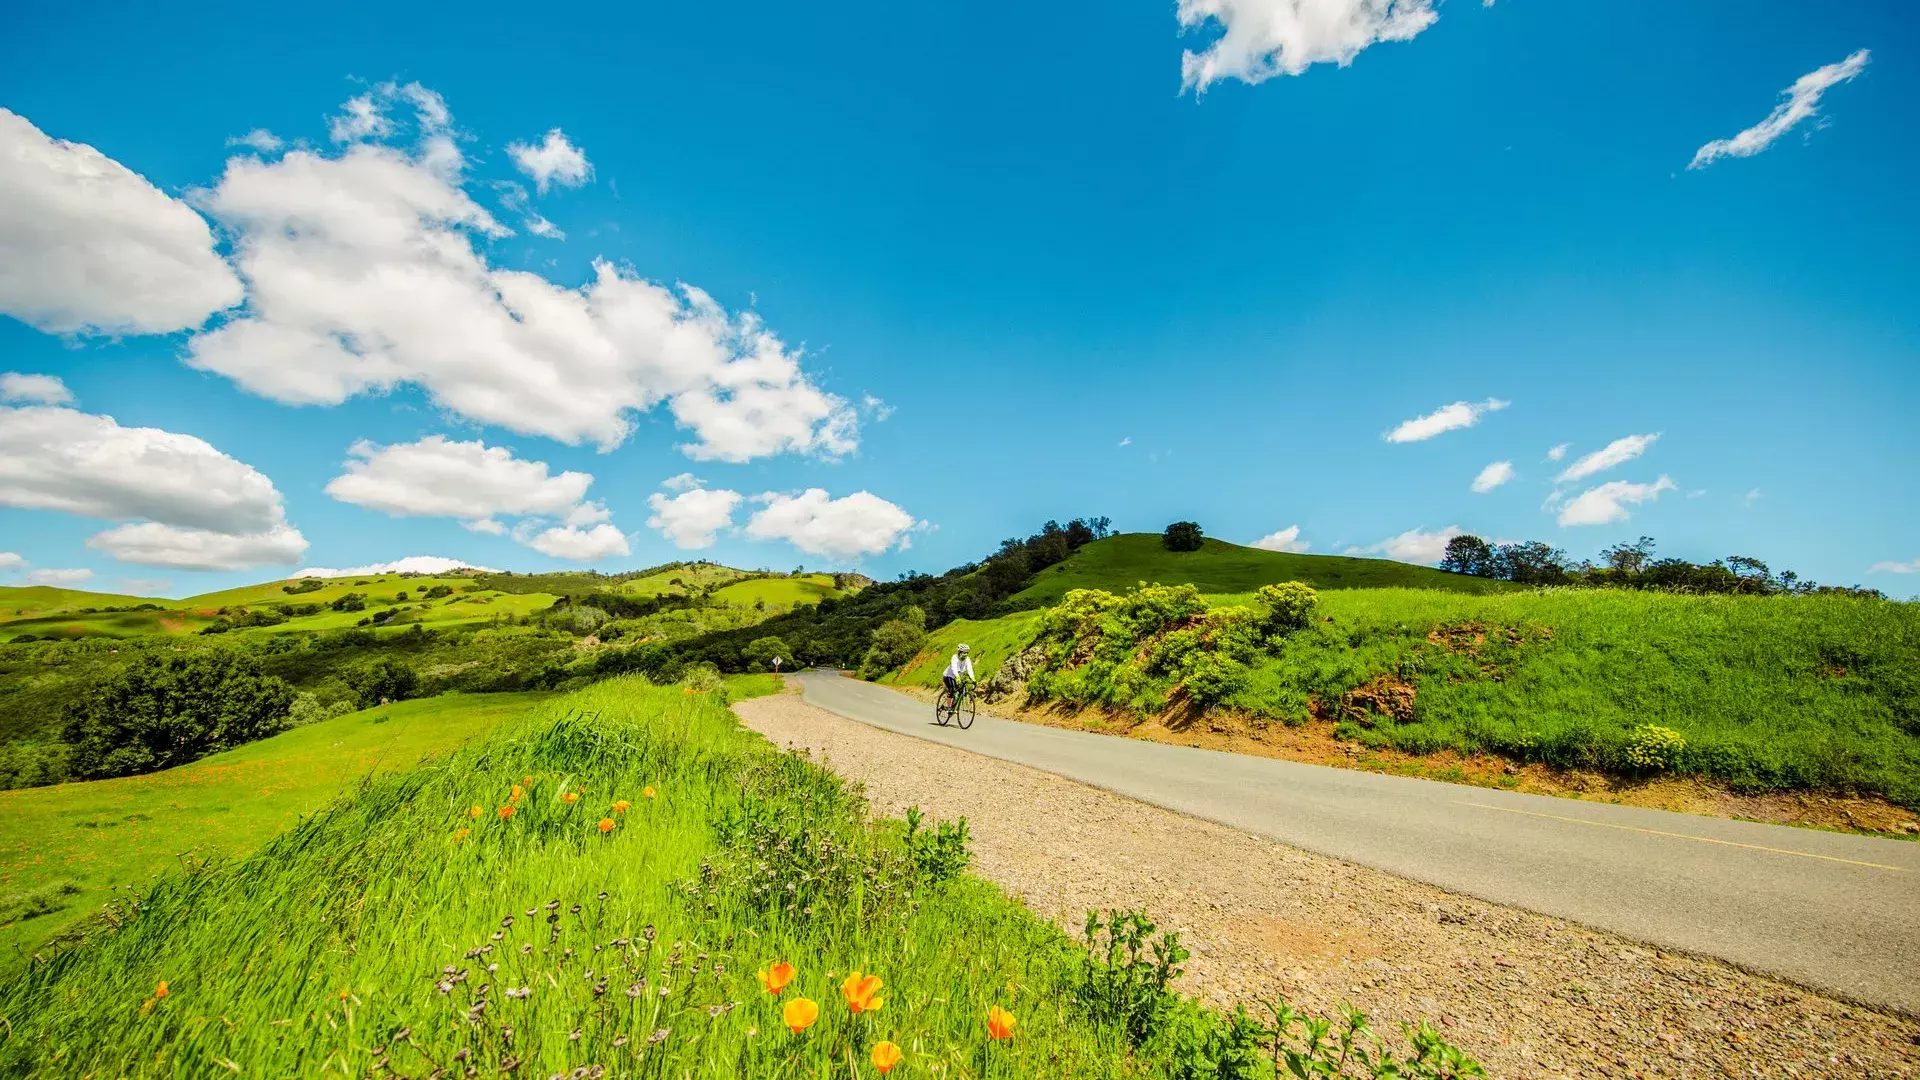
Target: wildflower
(570,797)
(862,993)
(999,1023)
(161,990)
(506,812)
(885,1056)
(462,834)
(606,824)
(647,791)
(516,794)
(800,1014)
(776,978)
(475,812)
(527,780)
(621,806)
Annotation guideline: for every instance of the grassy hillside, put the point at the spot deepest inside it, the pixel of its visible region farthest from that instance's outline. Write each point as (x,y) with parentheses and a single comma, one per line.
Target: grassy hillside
(67,847)
(680,579)
(1119,562)
(632,858)
(779,593)
(29,601)
(991,642)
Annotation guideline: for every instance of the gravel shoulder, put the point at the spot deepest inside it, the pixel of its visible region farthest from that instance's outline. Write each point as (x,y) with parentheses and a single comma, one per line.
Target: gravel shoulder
(1528,995)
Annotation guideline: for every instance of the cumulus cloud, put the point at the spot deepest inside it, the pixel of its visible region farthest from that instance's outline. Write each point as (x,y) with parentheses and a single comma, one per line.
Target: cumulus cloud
(363,275)
(360,118)
(1798,102)
(553,161)
(438,477)
(1617,452)
(686,481)
(692,519)
(846,528)
(1460,414)
(1287,539)
(1895,567)
(412,564)
(1558,452)
(1263,38)
(1412,546)
(180,490)
(87,245)
(16,388)
(577,544)
(58,577)
(266,142)
(11,561)
(1493,476)
(1608,503)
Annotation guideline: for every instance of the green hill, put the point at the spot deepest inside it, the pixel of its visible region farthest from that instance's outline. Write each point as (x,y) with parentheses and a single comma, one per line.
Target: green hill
(779,593)
(32,601)
(1120,562)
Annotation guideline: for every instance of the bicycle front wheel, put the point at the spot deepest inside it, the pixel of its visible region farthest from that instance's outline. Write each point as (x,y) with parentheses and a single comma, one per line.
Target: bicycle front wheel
(965,711)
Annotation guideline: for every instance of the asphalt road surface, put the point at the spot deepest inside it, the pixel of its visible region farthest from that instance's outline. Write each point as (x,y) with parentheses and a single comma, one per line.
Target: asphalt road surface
(1834,912)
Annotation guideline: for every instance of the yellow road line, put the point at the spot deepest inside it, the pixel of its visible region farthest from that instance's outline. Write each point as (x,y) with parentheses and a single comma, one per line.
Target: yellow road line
(1686,836)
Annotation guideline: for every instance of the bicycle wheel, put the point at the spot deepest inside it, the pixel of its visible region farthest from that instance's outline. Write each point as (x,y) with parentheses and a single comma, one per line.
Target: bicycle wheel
(943,709)
(964,711)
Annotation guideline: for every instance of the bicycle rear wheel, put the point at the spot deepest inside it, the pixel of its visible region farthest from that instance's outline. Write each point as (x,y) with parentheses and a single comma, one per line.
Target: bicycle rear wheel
(964,711)
(943,709)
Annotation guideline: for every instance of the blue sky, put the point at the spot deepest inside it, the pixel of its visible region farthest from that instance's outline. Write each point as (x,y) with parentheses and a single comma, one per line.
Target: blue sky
(1012,268)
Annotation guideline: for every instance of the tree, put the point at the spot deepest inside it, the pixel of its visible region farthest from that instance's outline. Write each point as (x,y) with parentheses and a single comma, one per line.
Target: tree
(1531,563)
(763,651)
(1182,536)
(894,643)
(1627,558)
(165,710)
(1468,554)
(383,680)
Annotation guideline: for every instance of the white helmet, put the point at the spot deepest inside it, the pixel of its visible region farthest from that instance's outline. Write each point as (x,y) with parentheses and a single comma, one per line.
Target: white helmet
(963,650)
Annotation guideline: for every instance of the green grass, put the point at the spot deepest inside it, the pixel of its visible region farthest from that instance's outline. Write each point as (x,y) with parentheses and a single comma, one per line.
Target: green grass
(991,642)
(1120,562)
(779,593)
(681,579)
(30,601)
(102,834)
(306,957)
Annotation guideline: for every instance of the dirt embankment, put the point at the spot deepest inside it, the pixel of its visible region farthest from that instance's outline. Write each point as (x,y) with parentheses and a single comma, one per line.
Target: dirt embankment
(1530,996)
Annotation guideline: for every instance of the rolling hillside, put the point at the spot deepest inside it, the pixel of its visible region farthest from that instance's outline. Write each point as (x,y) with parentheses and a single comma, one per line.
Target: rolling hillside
(1119,562)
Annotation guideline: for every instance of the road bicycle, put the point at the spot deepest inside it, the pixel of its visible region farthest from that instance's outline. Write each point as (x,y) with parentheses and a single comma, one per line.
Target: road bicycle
(958,708)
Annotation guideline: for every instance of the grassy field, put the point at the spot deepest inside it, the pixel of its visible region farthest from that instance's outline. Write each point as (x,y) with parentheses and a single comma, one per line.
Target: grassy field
(632,858)
(681,580)
(74,844)
(30,601)
(779,593)
(1119,562)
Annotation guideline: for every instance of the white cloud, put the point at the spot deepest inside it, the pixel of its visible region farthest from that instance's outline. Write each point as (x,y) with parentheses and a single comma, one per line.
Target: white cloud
(859,524)
(541,227)
(686,481)
(88,245)
(266,142)
(1751,497)
(33,389)
(514,198)
(363,276)
(876,408)
(1263,38)
(1608,503)
(360,118)
(691,519)
(553,161)
(580,545)
(1559,451)
(1412,546)
(437,477)
(1493,476)
(183,490)
(1798,102)
(1895,567)
(58,577)
(1460,414)
(10,561)
(150,543)
(412,564)
(1125,442)
(1287,539)
(1618,452)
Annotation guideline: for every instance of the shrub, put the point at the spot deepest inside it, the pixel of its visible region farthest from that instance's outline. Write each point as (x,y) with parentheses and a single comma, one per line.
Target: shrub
(352,601)
(894,643)
(1182,536)
(304,585)
(1654,749)
(1290,606)
(438,591)
(309,709)
(1212,677)
(385,679)
(165,710)
(763,651)
(939,854)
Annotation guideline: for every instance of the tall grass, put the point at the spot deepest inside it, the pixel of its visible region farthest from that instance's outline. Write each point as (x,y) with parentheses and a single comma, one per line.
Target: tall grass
(384,933)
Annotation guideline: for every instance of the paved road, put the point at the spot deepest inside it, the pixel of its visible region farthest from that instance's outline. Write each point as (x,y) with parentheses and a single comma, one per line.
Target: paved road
(1835,912)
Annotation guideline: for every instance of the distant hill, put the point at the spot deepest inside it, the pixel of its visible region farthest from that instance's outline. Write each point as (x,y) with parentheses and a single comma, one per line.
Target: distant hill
(1119,562)
(31,601)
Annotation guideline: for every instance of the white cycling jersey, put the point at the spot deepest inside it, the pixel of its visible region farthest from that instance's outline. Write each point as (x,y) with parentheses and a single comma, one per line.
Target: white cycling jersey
(959,665)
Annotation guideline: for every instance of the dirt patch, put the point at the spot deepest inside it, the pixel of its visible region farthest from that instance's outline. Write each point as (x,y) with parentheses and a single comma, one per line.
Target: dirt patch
(1532,997)
(1384,695)
(1315,743)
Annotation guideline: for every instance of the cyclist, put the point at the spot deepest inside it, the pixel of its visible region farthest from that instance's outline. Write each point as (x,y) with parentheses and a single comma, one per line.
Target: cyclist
(961,664)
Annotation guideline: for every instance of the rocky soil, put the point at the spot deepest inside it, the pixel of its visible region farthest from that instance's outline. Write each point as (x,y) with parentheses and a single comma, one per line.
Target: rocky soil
(1530,996)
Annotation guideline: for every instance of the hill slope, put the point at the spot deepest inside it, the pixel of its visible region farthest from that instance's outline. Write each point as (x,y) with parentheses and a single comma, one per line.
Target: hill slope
(1119,562)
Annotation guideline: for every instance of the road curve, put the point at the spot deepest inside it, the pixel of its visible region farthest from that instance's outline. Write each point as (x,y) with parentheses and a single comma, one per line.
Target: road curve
(1834,912)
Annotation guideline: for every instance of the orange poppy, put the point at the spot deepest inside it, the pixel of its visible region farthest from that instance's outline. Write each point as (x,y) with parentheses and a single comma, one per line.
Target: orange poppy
(506,812)
(800,1014)
(776,978)
(475,812)
(570,797)
(862,993)
(527,780)
(621,806)
(606,824)
(647,791)
(885,1056)
(999,1023)
(461,834)
(161,990)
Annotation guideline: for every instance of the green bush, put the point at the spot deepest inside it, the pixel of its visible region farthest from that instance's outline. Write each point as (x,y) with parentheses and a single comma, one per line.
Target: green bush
(894,643)
(167,709)
(939,854)
(1182,536)
(763,651)
(383,680)
(1290,606)
(352,601)
(1653,749)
